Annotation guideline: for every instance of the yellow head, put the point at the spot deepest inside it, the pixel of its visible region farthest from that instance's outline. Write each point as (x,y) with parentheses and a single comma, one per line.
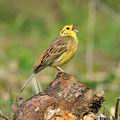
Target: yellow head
(69,30)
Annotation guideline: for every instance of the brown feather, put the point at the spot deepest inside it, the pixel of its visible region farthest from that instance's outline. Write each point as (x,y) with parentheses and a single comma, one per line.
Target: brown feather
(54,51)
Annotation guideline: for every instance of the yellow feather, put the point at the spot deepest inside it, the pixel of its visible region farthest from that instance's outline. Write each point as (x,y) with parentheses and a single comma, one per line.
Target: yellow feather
(71,47)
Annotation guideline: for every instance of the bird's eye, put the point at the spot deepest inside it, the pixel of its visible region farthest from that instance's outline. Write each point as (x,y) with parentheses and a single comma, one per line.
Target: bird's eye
(61,31)
(67,28)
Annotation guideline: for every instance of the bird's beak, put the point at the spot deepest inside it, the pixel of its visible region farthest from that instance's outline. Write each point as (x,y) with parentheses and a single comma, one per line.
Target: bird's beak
(75,30)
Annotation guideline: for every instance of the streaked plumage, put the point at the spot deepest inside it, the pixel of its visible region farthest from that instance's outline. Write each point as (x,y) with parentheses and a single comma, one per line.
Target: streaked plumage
(59,52)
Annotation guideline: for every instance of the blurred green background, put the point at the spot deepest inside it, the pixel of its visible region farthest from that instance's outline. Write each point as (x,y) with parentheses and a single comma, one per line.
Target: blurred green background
(28,26)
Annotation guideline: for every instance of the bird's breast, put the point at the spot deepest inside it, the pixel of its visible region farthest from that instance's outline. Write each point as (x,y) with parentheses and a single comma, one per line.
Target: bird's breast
(66,56)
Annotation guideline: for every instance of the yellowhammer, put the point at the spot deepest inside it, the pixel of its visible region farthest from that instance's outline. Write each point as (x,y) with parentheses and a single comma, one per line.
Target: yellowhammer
(59,52)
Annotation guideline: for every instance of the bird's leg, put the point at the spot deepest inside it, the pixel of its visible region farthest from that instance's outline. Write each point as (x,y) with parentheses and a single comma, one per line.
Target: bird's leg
(59,69)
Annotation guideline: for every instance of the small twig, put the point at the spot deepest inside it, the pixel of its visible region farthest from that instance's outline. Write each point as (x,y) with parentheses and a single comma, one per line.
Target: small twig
(3,116)
(116,108)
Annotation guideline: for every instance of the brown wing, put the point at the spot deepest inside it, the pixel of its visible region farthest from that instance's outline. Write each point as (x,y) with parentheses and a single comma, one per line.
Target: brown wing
(57,48)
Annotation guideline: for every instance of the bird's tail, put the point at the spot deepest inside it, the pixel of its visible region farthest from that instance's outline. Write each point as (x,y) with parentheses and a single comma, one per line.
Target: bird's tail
(28,80)
(38,85)
(17,98)
(32,75)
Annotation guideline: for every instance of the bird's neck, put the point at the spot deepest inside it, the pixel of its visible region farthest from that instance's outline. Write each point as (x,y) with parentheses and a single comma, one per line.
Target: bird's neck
(71,34)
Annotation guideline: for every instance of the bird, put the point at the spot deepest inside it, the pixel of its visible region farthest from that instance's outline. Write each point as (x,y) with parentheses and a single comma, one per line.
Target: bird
(59,52)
